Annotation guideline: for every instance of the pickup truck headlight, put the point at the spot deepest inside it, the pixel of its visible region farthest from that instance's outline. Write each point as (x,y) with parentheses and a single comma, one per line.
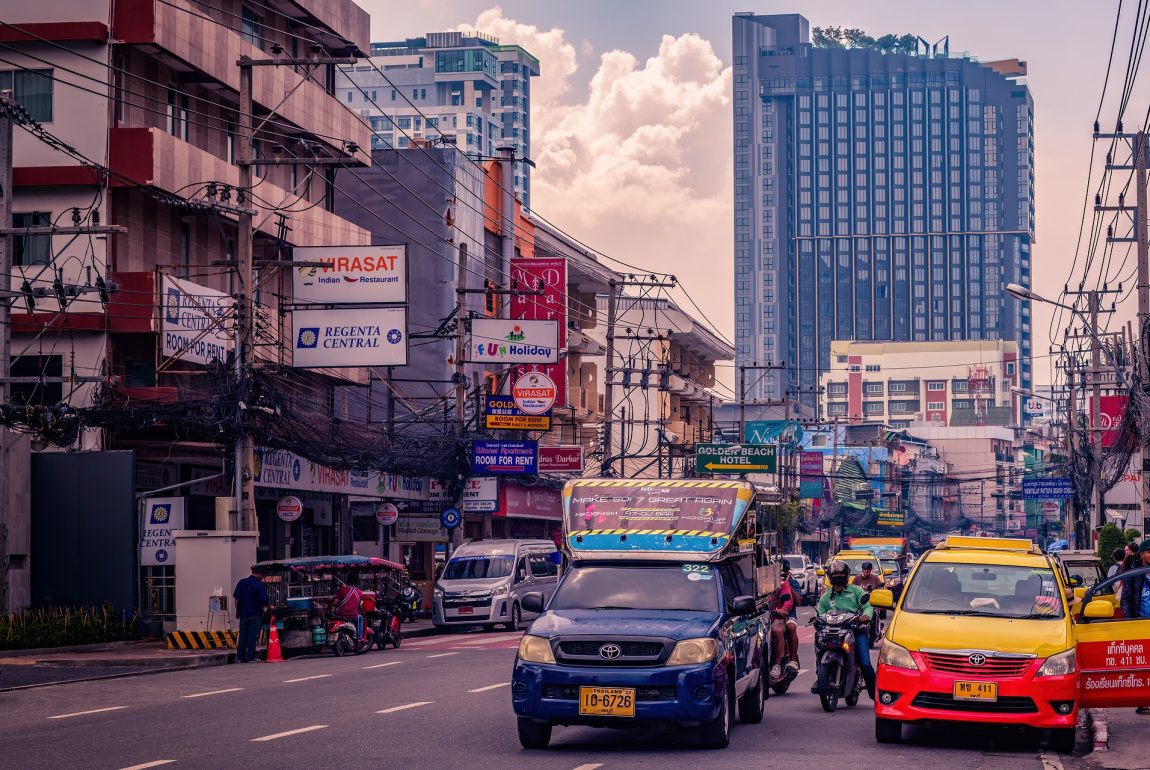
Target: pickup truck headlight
(535,649)
(1062,664)
(896,655)
(692,651)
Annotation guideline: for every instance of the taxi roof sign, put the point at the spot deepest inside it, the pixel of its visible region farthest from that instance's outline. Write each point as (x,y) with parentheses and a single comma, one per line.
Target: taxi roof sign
(990,543)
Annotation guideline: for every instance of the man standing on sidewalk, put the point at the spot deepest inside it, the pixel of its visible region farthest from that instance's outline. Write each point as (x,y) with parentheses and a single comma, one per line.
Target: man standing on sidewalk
(251,598)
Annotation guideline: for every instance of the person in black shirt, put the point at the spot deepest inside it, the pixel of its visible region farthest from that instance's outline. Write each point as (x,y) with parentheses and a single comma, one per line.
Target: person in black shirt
(251,599)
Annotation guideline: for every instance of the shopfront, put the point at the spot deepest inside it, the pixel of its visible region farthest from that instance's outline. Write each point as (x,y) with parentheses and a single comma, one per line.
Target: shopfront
(528,513)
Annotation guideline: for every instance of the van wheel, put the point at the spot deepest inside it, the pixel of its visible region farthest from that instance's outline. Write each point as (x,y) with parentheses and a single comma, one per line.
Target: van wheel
(888,730)
(1062,740)
(516,618)
(716,734)
(751,705)
(532,734)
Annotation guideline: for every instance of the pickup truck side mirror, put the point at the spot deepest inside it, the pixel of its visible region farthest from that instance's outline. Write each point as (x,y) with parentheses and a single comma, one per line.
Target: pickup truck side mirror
(743,605)
(532,602)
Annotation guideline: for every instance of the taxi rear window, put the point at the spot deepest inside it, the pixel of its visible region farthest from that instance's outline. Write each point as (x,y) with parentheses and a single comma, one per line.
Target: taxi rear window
(990,590)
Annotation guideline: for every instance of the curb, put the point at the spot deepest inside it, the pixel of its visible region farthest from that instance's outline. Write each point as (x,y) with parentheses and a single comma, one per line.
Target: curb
(100,647)
(161,663)
(1100,733)
(203,661)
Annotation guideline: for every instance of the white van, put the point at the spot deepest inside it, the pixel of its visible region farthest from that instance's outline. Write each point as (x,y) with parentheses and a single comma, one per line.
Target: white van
(484,582)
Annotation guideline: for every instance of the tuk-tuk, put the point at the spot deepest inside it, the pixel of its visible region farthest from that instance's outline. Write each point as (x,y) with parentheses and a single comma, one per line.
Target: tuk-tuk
(300,594)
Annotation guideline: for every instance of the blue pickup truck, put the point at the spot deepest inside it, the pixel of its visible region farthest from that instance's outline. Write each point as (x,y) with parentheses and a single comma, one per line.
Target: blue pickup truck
(660,615)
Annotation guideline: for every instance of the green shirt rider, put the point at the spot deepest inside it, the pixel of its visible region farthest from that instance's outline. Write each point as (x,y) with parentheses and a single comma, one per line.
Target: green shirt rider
(845,597)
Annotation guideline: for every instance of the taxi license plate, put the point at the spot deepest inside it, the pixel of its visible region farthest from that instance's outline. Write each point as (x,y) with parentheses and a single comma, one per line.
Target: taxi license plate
(607,701)
(466,610)
(985,691)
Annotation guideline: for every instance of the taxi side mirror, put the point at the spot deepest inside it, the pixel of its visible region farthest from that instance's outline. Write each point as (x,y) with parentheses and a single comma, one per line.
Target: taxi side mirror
(887,572)
(821,572)
(1098,609)
(882,598)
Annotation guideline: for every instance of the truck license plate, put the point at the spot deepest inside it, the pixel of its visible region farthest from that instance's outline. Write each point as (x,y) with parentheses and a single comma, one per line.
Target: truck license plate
(986,691)
(607,701)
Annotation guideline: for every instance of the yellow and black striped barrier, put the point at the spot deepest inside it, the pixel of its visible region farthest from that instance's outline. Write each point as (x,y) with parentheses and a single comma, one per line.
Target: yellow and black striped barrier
(201,640)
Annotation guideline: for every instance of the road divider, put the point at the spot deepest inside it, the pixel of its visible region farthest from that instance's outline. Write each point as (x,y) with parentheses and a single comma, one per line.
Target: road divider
(405,707)
(277,736)
(85,713)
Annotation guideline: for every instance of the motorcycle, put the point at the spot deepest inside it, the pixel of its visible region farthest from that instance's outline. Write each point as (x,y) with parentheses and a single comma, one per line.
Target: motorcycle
(386,626)
(838,673)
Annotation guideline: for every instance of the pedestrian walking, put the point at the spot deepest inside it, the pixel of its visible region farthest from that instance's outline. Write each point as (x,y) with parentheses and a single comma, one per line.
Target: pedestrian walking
(251,598)
(1118,557)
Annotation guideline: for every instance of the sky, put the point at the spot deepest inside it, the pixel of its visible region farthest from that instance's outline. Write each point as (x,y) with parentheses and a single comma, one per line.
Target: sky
(632,118)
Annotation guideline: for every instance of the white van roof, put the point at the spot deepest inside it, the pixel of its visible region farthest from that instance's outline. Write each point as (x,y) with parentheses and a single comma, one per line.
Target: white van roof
(502,547)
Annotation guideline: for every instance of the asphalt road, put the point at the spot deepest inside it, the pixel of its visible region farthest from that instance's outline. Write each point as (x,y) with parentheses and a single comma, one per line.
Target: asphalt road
(439,702)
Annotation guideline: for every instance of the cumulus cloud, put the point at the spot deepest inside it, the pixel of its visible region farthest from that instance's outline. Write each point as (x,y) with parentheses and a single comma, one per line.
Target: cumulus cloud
(638,164)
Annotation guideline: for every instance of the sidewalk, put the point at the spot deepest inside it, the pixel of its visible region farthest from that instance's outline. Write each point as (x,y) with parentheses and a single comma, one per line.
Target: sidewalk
(1129,739)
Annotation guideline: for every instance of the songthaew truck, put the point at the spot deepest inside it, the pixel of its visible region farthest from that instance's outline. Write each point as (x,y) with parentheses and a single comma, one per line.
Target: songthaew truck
(660,616)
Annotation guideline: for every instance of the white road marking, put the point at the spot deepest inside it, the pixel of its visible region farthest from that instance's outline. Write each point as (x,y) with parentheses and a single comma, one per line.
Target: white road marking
(306,678)
(83,713)
(491,687)
(289,732)
(1050,761)
(214,692)
(490,639)
(382,665)
(589,767)
(406,706)
(443,654)
(146,765)
(425,642)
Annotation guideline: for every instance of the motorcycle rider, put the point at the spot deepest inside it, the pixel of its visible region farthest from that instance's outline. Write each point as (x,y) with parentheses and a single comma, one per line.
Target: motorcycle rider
(412,598)
(784,602)
(845,597)
(867,580)
(347,601)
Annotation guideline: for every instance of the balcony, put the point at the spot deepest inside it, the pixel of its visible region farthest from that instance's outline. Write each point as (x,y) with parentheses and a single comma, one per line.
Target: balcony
(154,158)
(180,29)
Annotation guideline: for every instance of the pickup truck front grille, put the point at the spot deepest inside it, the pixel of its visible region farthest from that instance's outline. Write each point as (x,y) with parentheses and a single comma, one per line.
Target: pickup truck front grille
(613,652)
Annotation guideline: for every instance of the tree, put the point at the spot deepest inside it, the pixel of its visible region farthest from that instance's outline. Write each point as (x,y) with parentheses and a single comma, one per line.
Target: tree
(852,37)
(827,37)
(788,521)
(1133,536)
(1109,539)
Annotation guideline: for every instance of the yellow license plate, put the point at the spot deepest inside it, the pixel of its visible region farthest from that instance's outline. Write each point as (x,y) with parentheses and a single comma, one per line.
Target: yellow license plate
(987,691)
(607,701)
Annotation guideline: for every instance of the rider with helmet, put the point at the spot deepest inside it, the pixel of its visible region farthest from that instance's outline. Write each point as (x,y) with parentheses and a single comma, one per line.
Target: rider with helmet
(784,602)
(845,597)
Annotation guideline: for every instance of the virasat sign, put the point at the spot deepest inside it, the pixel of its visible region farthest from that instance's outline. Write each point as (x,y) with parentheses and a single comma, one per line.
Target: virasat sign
(352,274)
(501,341)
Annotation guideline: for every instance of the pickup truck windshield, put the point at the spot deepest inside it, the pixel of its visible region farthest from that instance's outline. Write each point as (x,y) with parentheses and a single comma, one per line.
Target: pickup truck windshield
(689,587)
(991,590)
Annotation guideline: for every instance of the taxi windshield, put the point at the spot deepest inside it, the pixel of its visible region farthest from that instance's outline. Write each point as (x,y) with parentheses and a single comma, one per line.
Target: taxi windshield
(991,590)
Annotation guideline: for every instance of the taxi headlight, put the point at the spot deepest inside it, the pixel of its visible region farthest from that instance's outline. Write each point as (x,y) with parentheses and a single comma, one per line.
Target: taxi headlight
(692,651)
(896,655)
(1062,664)
(535,649)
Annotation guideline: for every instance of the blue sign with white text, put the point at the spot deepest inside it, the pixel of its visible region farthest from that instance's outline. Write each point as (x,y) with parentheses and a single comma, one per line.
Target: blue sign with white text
(504,457)
(1047,489)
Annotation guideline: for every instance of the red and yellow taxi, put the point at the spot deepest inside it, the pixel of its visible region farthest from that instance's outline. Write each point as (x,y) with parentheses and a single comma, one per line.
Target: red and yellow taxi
(982,634)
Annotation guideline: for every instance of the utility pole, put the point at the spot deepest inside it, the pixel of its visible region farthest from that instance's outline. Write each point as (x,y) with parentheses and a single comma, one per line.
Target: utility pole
(608,383)
(1099,516)
(244,480)
(6,604)
(1143,248)
(743,368)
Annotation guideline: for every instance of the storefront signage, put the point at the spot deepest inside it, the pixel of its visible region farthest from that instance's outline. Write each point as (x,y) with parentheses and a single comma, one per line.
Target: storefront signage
(277,468)
(289,508)
(518,502)
(386,514)
(504,457)
(210,482)
(501,341)
(1109,421)
(155,475)
(403,487)
(1047,489)
(480,493)
(354,274)
(195,322)
(501,413)
(561,459)
(551,275)
(534,393)
(419,530)
(451,518)
(891,518)
(341,337)
(161,516)
(735,458)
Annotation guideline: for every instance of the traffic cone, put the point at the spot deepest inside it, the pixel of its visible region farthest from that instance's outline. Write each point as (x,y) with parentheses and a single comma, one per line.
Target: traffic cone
(275,655)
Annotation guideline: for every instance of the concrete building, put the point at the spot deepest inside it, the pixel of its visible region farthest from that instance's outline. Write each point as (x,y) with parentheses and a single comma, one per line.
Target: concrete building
(664,371)
(947,383)
(878,196)
(462,88)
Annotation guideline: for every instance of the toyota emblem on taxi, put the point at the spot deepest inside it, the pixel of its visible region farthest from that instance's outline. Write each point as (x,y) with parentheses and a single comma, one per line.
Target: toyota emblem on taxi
(976,659)
(610,651)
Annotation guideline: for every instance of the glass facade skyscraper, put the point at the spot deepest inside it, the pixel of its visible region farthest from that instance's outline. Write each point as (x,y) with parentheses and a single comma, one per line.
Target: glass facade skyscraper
(877,197)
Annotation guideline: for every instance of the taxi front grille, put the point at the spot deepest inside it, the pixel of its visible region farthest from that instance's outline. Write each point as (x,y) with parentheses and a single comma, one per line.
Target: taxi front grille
(1008,704)
(990,668)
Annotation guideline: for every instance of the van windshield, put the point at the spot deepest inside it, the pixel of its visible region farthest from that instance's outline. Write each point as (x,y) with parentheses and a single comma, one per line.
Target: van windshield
(992,590)
(688,587)
(478,567)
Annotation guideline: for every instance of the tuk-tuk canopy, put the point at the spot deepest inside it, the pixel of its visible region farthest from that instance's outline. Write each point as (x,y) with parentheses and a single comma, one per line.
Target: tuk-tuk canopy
(317,563)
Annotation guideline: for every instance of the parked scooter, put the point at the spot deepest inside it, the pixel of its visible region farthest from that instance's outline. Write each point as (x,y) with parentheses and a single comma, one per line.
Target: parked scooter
(838,672)
(387,626)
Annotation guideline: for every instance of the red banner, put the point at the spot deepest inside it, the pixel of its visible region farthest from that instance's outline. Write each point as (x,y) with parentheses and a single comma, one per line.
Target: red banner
(549,306)
(1112,409)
